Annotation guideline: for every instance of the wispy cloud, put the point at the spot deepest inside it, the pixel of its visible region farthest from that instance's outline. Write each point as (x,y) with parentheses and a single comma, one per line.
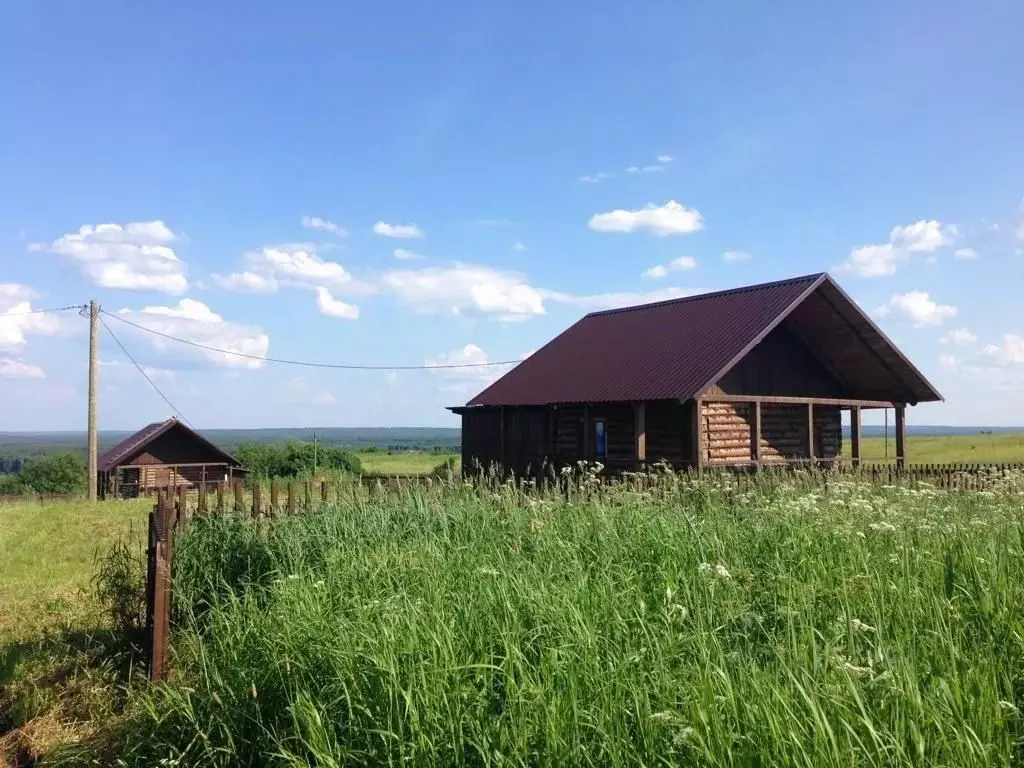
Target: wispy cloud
(672,218)
(401,231)
(660,271)
(733,256)
(323,225)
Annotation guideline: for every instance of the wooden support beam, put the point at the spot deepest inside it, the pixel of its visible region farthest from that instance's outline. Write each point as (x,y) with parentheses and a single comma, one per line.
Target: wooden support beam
(501,435)
(697,433)
(586,434)
(786,400)
(855,435)
(640,417)
(901,436)
(755,435)
(810,432)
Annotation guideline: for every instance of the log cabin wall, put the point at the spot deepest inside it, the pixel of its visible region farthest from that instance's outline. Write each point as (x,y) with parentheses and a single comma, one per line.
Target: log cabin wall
(728,427)
(481,439)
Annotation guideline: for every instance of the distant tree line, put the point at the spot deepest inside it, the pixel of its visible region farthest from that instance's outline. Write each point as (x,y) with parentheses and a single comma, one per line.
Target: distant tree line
(57,473)
(295,459)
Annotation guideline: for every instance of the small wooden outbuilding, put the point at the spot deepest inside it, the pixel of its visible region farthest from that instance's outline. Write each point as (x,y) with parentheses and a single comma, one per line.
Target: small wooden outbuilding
(165,454)
(754,375)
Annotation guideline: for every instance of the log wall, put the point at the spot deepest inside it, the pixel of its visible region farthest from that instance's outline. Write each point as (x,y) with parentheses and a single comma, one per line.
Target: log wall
(727,430)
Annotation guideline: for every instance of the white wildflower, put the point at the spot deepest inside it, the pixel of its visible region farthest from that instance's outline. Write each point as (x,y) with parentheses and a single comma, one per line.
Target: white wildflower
(861,534)
(682,736)
(858,671)
(1008,706)
(488,571)
(860,626)
(882,527)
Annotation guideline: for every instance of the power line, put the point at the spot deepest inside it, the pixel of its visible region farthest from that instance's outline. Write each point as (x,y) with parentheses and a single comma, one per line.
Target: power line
(44,311)
(142,370)
(310,364)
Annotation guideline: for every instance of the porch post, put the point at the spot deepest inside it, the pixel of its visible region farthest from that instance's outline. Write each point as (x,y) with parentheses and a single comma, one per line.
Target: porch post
(640,414)
(810,432)
(755,435)
(696,433)
(855,435)
(901,436)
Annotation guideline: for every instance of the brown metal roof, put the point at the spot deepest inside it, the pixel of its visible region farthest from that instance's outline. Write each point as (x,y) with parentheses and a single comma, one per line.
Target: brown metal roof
(132,444)
(676,349)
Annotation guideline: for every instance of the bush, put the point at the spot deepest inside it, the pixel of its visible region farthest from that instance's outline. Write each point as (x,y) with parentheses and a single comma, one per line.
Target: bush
(11,485)
(294,459)
(57,473)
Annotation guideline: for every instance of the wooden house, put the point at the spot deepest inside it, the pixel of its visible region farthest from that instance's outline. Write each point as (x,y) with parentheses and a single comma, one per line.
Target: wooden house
(755,375)
(165,454)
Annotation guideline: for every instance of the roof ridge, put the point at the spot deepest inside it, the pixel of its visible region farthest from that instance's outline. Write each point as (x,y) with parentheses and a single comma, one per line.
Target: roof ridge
(809,278)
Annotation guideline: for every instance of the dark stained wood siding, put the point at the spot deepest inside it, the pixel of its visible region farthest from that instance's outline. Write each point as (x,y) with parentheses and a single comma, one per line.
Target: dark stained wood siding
(780,365)
(175,446)
(668,432)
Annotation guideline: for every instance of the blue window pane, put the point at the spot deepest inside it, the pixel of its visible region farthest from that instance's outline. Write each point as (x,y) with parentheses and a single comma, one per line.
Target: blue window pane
(599,439)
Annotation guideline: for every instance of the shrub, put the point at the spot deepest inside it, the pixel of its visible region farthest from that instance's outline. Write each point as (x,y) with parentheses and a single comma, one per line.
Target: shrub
(57,473)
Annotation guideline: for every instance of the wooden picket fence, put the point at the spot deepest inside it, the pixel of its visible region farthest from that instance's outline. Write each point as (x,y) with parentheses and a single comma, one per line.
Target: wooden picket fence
(176,507)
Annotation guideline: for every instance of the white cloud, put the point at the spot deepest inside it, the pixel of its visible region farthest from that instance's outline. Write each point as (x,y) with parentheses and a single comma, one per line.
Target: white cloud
(248,282)
(660,271)
(645,169)
(616,299)
(965,253)
(924,236)
(403,254)
(919,308)
(466,381)
(948,361)
(16,324)
(734,256)
(672,218)
(594,178)
(296,265)
(333,307)
(961,337)
(873,260)
(403,231)
(519,245)
(323,225)
(136,256)
(665,158)
(16,369)
(299,391)
(1009,352)
(465,289)
(194,321)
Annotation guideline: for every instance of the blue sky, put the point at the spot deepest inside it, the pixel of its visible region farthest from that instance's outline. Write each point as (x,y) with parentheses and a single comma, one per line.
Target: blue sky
(408,183)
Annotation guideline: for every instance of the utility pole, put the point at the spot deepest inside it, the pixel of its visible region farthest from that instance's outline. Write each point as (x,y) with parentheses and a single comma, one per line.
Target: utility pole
(94,315)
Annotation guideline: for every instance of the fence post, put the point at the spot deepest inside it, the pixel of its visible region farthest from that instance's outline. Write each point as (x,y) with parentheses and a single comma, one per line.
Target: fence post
(309,494)
(158,583)
(202,498)
(220,498)
(275,497)
(257,501)
(239,501)
(291,497)
(323,491)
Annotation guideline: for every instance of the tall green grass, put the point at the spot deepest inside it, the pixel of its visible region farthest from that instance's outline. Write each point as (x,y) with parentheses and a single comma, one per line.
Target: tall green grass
(686,624)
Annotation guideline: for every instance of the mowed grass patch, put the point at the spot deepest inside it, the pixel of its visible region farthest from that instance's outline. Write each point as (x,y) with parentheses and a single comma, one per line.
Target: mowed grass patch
(689,624)
(47,553)
(412,463)
(998,448)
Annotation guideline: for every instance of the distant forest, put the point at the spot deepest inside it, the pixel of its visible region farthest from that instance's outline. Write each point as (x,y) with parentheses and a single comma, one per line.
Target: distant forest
(17,447)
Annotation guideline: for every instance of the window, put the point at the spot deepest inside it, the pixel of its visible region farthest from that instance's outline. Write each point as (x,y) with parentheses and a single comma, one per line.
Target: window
(600,439)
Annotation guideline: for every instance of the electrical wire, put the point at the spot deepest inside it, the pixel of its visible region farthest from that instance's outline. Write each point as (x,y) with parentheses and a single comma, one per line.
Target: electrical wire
(143,372)
(307,364)
(44,311)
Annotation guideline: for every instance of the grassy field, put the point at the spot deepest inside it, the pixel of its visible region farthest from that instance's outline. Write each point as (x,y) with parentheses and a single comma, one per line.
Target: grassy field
(953,449)
(413,463)
(47,556)
(682,625)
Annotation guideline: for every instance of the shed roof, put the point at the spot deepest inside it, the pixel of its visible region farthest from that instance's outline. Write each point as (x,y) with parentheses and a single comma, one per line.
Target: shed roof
(137,442)
(677,349)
